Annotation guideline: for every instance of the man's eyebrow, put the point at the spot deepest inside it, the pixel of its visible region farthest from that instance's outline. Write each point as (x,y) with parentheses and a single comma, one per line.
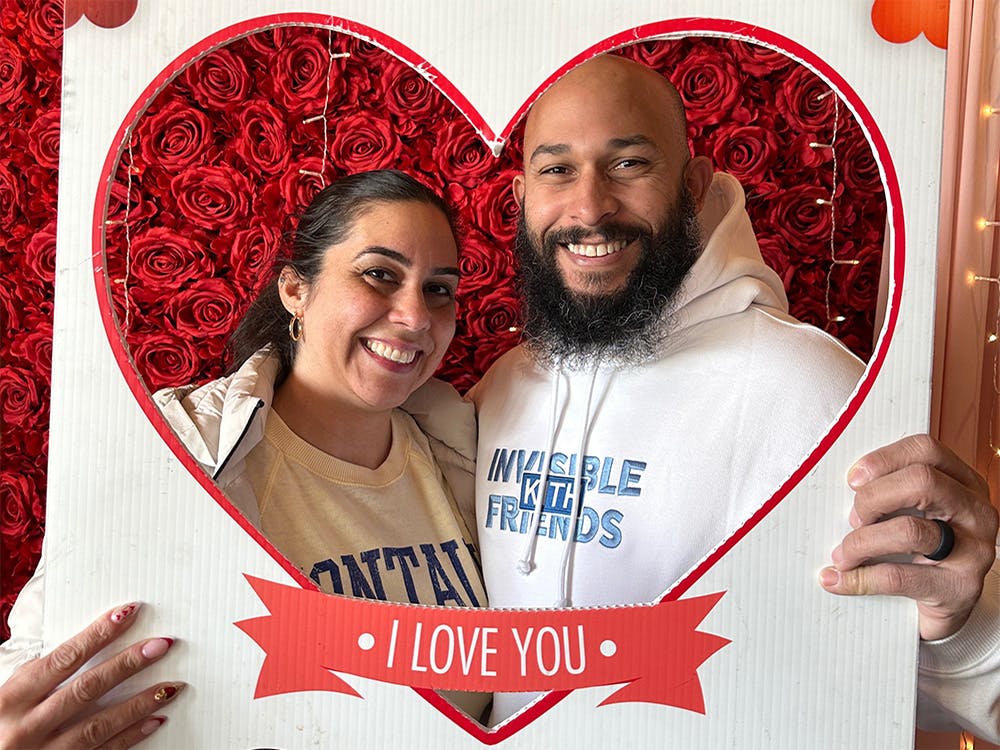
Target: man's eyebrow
(558,149)
(397,256)
(634,140)
(550,149)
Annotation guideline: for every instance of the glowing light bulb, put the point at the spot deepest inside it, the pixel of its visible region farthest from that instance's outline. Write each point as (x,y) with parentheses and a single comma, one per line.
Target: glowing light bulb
(989,110)
(991,338)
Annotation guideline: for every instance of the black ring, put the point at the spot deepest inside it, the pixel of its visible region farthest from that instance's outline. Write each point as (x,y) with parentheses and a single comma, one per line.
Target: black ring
(947,543)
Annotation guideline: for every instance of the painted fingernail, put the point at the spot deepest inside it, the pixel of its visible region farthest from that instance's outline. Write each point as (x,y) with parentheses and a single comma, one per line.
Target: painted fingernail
(829,577)
(156,648)
(858,475)
(125,611)
(167,692)
(151,724)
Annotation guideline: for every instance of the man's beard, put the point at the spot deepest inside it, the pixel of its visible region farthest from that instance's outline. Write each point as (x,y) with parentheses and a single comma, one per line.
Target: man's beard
(627,326)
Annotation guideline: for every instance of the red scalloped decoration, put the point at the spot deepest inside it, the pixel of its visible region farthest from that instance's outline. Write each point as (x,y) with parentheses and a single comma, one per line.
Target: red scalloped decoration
(108,14)
(902,21)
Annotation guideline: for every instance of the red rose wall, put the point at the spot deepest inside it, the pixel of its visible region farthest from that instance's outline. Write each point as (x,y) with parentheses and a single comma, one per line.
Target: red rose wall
(218,148)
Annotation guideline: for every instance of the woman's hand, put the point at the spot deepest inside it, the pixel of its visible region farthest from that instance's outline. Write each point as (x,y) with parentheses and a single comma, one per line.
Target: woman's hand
(35,714)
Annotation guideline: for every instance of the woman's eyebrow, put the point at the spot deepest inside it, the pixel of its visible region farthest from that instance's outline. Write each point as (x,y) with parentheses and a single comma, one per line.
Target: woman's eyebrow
(398,257)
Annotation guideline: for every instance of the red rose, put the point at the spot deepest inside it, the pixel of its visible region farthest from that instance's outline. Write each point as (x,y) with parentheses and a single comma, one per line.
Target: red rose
(213,197)
(747,152)
(362,142)
(495,208)
(175,136)
(253,251)
(709,83)
(207,308)
(219,80)
(285,198)
(43,139)
(34,349)
(10,199)
(18,491)
(164,359)
(658,54)
(263,139)
(806,102)
(758,60)
(140,204)
(299,74)
(12,73)
(490,320)
(411,99)
(20,402)
(165,259)
(40,253)
(800,220)
(461,154)
(860,168)
(481,265)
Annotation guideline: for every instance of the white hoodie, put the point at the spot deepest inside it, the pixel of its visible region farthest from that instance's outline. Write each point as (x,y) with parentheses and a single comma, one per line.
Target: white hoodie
(679,451)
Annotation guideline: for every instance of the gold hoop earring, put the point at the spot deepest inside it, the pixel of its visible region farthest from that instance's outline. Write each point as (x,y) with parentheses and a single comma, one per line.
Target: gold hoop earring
(295,327)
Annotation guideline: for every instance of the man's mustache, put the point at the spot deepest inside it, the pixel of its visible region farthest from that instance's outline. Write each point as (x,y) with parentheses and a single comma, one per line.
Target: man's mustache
(610,232)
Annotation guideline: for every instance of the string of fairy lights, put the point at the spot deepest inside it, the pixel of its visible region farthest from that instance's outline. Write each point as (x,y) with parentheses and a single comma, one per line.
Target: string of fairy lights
(833,261)
(984,224)
(130,171)
(322,116)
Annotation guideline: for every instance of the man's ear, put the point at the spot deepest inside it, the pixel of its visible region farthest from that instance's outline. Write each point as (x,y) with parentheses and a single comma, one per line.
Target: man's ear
(293,290)
(698,177)
(518,184)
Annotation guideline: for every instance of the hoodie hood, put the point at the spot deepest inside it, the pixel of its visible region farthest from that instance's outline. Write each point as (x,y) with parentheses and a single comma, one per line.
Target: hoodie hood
(730,275)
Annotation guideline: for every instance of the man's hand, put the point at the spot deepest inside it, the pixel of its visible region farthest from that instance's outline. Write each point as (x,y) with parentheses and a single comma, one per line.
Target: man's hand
(917,472)
(35,714)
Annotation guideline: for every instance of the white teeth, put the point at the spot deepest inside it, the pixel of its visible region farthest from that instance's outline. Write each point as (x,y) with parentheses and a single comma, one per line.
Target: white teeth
(387,352)
(597,251)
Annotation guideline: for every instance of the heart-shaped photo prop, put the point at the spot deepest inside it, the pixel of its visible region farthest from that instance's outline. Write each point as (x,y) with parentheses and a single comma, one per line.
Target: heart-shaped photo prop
(216,162)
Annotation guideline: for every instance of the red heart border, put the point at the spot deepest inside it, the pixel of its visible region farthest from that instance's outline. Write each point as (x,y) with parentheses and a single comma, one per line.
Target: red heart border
(671,27)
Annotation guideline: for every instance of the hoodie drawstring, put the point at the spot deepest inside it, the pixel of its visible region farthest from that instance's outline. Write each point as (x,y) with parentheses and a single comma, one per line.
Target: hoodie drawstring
(527,562)
(567,558)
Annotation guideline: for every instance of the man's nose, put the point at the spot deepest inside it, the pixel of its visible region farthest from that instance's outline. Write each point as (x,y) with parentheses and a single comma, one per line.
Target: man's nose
(410,309)
(594,199)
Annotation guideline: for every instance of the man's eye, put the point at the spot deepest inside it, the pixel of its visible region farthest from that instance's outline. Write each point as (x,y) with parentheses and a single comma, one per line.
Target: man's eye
(553,170)
(628,163)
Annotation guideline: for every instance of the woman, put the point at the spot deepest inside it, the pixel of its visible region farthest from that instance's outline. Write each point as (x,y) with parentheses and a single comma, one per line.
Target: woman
(307,439)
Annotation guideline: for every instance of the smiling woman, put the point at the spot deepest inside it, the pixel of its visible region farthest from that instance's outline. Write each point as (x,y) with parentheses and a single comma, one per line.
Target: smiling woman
(304,435)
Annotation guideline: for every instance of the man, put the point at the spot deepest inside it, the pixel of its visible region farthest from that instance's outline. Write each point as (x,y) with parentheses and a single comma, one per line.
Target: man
(663,375)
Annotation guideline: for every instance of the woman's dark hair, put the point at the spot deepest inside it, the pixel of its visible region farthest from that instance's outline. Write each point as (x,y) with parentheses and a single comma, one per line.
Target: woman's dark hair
(327,221)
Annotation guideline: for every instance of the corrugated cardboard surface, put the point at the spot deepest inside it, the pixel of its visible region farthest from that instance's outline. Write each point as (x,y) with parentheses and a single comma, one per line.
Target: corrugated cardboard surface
(127,522)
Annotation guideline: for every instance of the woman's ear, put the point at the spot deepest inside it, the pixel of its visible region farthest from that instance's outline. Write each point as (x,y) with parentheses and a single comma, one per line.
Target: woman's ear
(293,290)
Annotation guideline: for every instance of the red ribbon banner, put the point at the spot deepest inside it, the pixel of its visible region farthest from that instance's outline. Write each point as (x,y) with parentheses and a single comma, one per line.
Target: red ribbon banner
(655,649)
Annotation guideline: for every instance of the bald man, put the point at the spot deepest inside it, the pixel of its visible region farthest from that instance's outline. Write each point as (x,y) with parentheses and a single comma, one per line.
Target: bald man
(664,393)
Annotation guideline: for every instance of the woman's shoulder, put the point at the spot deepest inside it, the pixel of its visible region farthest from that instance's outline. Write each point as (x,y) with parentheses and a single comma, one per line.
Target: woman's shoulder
(442,415)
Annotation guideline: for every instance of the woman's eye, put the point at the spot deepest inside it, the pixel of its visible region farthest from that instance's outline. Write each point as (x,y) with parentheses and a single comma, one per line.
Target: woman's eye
(440,290)
(379,274)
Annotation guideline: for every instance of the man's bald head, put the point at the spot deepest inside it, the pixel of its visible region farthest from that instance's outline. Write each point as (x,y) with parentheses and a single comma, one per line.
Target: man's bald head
(609,81)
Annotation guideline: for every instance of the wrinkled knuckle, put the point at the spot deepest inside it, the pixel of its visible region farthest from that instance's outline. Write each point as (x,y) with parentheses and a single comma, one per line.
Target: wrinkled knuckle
(66,656)
(915,533)
(94,731)
(87,688)
(894,580)
(921,447)
(922,478)
(132,660)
